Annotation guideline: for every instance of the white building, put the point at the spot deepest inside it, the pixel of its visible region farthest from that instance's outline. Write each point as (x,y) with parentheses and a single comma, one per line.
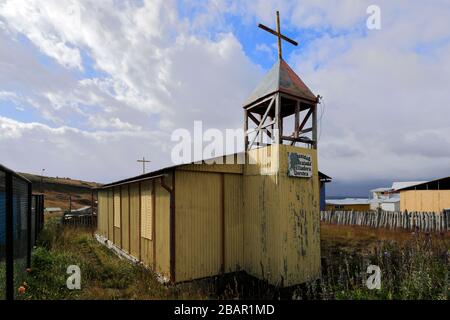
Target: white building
(385,199)
(388,199)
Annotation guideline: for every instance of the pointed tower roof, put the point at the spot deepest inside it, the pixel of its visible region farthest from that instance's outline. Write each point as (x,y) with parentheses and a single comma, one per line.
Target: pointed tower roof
(281,78)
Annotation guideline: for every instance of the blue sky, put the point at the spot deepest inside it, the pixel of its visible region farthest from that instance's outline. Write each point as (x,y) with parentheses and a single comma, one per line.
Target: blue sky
(88,87)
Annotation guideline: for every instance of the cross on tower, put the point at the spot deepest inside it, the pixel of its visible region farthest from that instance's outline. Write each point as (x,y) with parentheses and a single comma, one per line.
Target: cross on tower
(143,163)
(278,35)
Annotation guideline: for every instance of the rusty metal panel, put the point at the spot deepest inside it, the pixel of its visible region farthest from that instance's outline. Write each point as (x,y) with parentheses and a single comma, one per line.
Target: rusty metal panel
(125,218)
(162,229)
(134,220)
(280,78)
(197,225)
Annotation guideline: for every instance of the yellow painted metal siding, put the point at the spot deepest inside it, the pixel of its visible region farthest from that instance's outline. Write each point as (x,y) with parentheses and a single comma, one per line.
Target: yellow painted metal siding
(271,221)
(146,222)
(197,225)
(134,220)
(424,200)
(234,222)
(146,210)
(102,225)
(162,230)
(117,207)
(110,215)
(125,204)
(281,214)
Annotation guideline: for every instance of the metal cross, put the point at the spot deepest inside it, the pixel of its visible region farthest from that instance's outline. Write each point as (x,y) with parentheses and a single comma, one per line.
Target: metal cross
(278,34)
(143,164)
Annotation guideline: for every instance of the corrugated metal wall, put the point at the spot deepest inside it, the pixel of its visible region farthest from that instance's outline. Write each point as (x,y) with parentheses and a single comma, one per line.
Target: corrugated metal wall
(146,221)
(134,220)
(281,214)
(197,225)
(120,210)
(116,217)
(125,212)
(203,200)
(162,230)
(424,200)
(110,203)
(103,213)
(251,217)
(234,222)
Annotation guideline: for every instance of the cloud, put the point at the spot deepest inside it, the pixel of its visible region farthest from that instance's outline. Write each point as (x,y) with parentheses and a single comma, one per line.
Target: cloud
(130,72)
(142,69)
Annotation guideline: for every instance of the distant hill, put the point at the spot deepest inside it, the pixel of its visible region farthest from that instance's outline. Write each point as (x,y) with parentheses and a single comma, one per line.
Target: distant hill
(58,191)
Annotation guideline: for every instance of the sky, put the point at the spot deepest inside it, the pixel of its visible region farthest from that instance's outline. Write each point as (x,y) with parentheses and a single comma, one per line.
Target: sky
(88,87)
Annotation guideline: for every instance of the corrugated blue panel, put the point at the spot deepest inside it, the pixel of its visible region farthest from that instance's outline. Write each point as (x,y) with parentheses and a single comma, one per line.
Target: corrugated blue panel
(322,197)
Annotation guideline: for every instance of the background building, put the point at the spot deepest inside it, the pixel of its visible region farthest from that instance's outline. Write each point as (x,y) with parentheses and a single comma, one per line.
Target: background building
(431,196)
(348,204)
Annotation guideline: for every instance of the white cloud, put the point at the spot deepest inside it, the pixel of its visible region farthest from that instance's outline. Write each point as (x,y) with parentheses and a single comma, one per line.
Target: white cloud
(153,73)
(129,72)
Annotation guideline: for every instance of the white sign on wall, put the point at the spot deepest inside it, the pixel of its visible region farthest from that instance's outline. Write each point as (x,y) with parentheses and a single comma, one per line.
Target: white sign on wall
(299,165)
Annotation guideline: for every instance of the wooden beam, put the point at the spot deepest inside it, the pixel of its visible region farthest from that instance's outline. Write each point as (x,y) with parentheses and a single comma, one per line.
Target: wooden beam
(314,126)
(297,121)
(305,119)
(257,103)
(246,129)
(263,119)
(306,130)
(276,34)
(277,119)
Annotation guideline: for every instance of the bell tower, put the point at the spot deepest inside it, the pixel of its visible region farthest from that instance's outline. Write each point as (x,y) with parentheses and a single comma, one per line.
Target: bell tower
(282,109)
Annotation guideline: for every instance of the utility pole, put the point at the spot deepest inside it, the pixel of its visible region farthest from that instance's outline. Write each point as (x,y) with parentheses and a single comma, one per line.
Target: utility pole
(143,163)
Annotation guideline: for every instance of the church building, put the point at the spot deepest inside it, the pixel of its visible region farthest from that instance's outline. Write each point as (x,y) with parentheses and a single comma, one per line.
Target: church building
(200,220)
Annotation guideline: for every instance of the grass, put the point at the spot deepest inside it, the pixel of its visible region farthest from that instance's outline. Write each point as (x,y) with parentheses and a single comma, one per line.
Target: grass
(414,266)
(104,275)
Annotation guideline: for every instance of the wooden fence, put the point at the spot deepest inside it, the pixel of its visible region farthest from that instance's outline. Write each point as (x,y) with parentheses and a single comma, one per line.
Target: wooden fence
(83,221)
(423,221)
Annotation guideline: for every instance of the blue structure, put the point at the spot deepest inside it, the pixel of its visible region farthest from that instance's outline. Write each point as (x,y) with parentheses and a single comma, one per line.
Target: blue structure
(323,179)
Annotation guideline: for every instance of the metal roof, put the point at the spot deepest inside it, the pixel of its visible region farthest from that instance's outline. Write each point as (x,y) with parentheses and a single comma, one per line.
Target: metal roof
(381,189)
(347,201)
(163,171)
(445,182)
(281,78)
(406,184)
